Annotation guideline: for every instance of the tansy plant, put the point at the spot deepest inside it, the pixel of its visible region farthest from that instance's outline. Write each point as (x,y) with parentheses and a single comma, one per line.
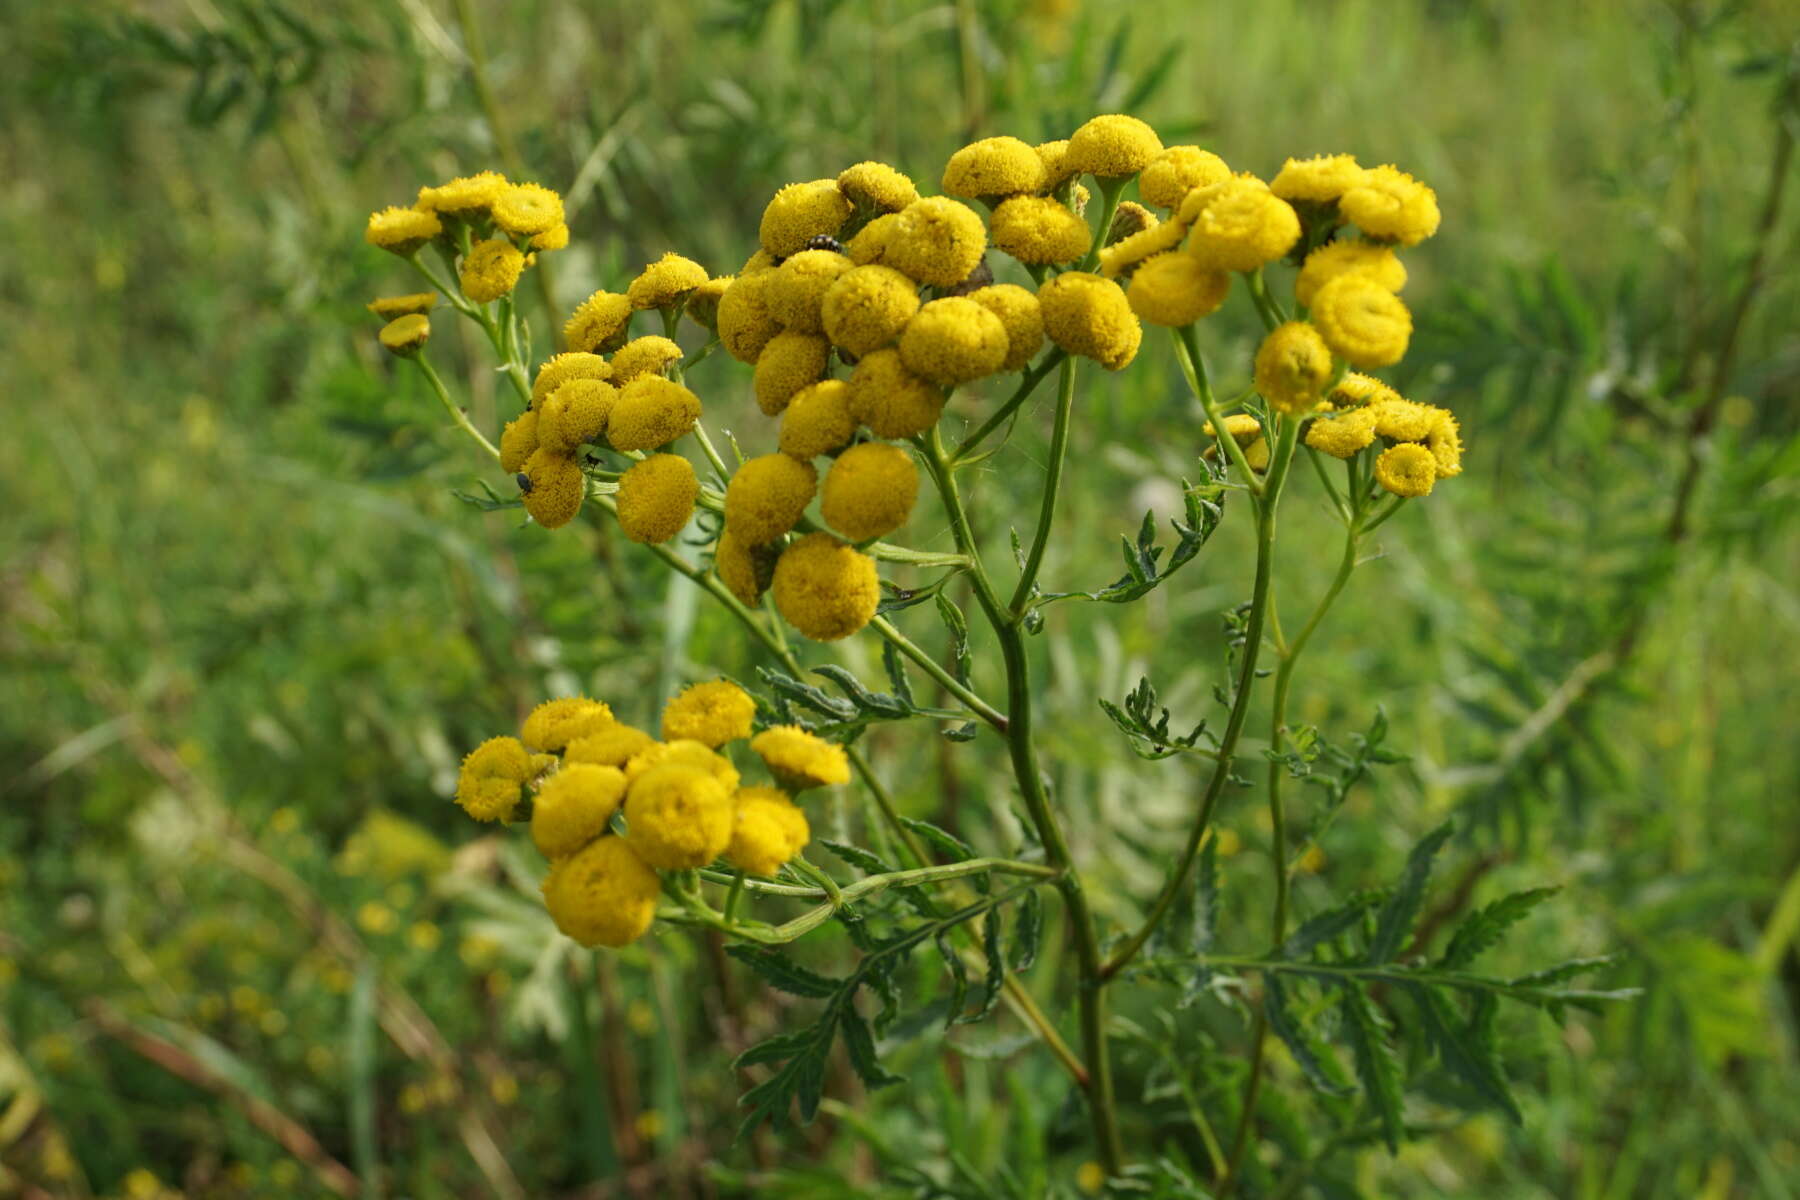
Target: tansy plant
(866,308)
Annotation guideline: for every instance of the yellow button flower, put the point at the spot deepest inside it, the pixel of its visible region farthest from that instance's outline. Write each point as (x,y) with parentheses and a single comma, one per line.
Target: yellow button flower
(800,212)
(1363,322)
(612,746)
(1403,420)
(936,241)
(1342,434)
(401,230)
(1126,255)
(869,246)
(488,785)
(865,308)
(1178,170)
(790,362)
(554,238)
(465,196)
(744,569)
(1019,315)
(892,401)
(1318,180)
(600,325)
(556,487)
(745,323)
(683,752)
(650,413)
(1407,469)
(1391,205)
(767,496)
(656,498)
(767,830)
(800,760)
(1241,226)
(648,355)
(1174,289)
(528,209)
(665,282)
(953,340)
(703,302)
(563,367)
(678,816)
(711,713)
(1039,231)
(869,491)
(603,895)
(389,307)
(1088,315)
(1114,146)
(574,806)
(825,588)
(490,269)
(1343,256)
(553,724)
(1293,368)
(797,292)
(406,336)
(995,166)
(817,420)
(1445,443)
(517,441)
(877,186)
(575,414)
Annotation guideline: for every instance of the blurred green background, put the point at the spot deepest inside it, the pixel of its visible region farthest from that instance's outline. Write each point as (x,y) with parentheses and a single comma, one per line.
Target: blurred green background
(247,629)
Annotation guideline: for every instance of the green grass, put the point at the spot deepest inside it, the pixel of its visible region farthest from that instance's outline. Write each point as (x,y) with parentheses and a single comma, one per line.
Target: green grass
(245,623)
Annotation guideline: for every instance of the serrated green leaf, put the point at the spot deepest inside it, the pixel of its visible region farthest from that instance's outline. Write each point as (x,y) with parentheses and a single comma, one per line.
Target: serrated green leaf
(1028,932)
(779,971)
(1398,914)
(989,995)
(863,860)
(1488,924)
(1376,1067)
(1316,1060)
(1468,1053)
(953,847)
(1323,927)
(859,1045)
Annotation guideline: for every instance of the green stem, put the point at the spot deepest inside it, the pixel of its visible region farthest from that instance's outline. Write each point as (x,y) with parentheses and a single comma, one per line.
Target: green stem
(456,413)
(1187,353)
(945,679)
(1266,305)
(1059,450)
(1027,385)
(1110,191)
(732,896)
(1240,704)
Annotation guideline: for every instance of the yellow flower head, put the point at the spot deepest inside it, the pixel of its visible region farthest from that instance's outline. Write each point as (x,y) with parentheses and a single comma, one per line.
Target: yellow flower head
(1039,230)
(995,166)
(800,760)
(1318,180)
(1357,389)
(1171,175)
(401,230)
(1256,454)
(647,355)
(1344,256)
(574,806)
(817,421)
(1407,469)
(553,724)
(602,895)
(488,785)
(600,325)
(1242,226)
(1126,255)
(679,816)
(389,307)
(528,209)
(656,498)
(1293,368)
(865,308)
(1342,434)
(564,367)
(789,362)
(710,713)
(1113,147)
(1402,420)
(684,752)
(1019,315)
(797,292)
(663,283)
(825,588)
(405,336)
(1445,443)
(744,321)
(1242,428)
(767,829)
(877,186)
(465,196)
(651,412)
(802,211)
(869,491)
(557,487)
(1088,315)
(869,246)
(936,240)
(703,302)
(891,400)
(1174,289)
(517,441)
(613,746)
(1055,159)
(952,341)
(1129,220)
(744,569)
(1362,322)
(767,496)
(575,414)
(554,238)
(1391,205)
(490,269)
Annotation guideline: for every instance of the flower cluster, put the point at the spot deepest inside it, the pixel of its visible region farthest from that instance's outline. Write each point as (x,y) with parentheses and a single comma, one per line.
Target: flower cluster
(575,769)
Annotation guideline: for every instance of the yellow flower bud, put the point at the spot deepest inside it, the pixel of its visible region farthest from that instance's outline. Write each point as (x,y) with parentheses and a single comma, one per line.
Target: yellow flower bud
(647,355)
(602,895)
(401,230)
(936,241)
(665,282)
(650,413)
(800,212)
(1326,263)
(744,569)
(656,498)
(1391,205)
(1124,256)
(1318,180)
(1114,146)
(554,238)
(1174,289)
(1019,315)
(517,441)
(767,496)
(575,414)
(405,336)
(678,816)
(574,806)
(1445,443)
(797,292)
(995,166)
(1342,434)
(745,323)
(564,367)
(612,746)
(488,785)
(789,362)
(767,830)
(600,325)
(711,713)
(528,209)
(1178,170)
(1407,469)
(870,243)
(800,760)
(952,341)
(553,724)
(1088,315)
(1293,368)
(1039,231)
(1241,226)
(869,491)
(389,307)
(817,420)
(865,308)
(825,588)
(1055,158)
(557,487)
(875,185)
(1363,322)
(491,269)
(1403,420)
(703,302)
(467,196)
(892,401)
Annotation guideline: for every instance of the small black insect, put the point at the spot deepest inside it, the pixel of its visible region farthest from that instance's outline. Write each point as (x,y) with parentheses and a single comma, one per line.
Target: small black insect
(824,241)
(524,483)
